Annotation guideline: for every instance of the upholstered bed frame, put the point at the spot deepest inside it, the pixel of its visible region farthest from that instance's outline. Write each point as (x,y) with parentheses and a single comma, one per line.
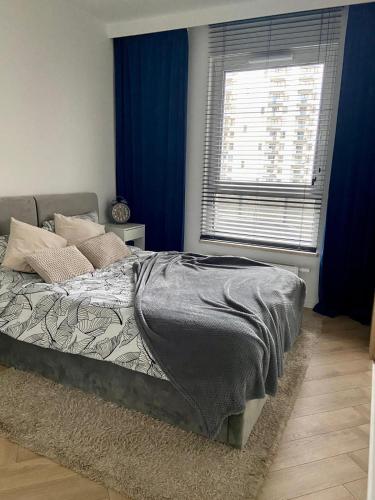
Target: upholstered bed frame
(36,209)
(150,395)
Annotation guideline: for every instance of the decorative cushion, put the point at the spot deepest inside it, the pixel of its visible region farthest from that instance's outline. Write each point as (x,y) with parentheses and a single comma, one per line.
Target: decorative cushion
(24,240)
(3,246)
(104,250)
(49,224)
(55,265)
(76,230)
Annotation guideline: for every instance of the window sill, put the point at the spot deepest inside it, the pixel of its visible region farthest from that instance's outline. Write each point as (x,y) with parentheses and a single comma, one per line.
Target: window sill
(261,247)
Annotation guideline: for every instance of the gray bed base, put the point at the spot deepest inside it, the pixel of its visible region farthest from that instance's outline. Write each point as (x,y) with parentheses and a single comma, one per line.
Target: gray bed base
(150,395)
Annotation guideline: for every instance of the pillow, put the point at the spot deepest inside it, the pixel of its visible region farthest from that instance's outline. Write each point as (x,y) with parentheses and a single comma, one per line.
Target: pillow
(49,224)
(55,265)
(76,230)
(24,240)
(104,250)
(3,246)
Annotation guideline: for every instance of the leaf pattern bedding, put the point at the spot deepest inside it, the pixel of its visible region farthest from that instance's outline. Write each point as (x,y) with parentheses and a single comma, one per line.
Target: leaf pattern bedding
(91,315)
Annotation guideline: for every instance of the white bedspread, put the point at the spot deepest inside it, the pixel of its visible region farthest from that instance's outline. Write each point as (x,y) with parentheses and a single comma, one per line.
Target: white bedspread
(91,315)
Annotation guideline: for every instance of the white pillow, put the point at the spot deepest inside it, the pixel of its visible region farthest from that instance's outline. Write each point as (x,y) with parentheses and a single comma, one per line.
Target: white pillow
(49,224)
(76,230)
(24,240)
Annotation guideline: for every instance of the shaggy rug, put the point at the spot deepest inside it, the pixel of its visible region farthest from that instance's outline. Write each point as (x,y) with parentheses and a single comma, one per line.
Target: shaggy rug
(140,456)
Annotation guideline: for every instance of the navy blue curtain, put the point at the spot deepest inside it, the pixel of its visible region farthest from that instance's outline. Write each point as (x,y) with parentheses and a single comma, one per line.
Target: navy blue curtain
(151,73)
(347,275)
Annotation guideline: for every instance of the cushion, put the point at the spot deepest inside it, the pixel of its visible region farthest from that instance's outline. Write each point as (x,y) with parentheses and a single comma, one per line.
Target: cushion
(55,265)
(24,240)
(49,224)
(76,230)
(3,246)
(104,250)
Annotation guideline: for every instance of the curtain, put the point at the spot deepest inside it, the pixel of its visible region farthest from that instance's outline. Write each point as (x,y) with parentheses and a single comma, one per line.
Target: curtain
(151,73)
(347,274)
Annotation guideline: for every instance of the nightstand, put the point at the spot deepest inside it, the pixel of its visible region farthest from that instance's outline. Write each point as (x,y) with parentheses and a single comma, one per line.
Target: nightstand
(129,232)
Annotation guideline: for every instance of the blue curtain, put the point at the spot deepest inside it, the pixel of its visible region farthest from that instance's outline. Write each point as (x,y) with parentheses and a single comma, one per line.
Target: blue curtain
(151,73)
(347,275)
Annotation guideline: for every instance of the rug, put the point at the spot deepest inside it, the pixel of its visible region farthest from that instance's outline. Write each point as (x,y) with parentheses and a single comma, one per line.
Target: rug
(137,455)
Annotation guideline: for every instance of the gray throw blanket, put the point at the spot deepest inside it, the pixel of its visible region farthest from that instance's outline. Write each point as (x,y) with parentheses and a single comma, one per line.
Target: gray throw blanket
(218,326)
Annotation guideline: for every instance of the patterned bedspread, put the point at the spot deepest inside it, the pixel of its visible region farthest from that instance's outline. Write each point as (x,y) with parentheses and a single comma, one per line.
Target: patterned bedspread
(91,315)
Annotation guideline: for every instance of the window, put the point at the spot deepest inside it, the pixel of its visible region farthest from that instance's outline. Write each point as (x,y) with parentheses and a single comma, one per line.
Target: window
(277,75)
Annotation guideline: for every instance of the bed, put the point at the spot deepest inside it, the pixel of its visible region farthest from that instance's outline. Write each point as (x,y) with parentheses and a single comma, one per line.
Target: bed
(83,332)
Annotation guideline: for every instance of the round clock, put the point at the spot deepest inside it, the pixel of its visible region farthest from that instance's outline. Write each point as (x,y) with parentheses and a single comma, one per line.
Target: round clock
(120,211)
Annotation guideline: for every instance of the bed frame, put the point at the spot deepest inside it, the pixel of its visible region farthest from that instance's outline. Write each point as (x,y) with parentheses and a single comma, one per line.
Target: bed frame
(152,396)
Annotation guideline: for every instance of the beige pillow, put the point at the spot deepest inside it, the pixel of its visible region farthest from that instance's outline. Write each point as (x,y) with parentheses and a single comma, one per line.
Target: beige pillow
(76,230)
(24,240)
(104,250)
(59,264)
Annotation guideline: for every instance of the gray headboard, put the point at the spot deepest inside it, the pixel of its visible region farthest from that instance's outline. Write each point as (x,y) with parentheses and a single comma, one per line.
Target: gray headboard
(66,204)
(22,208)
(36,209)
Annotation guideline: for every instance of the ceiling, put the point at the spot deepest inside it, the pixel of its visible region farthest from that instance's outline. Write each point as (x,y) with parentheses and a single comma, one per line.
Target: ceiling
(133,17)
(110,11)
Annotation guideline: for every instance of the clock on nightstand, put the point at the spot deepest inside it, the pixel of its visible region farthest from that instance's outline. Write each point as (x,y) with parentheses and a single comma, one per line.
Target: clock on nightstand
(120,211)
(129,232)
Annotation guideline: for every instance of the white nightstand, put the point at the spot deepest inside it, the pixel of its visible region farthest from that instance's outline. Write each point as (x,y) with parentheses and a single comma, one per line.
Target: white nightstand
(129,232)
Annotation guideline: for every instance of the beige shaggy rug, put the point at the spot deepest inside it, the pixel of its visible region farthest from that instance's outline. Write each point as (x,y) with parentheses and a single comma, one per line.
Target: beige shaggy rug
(137,455)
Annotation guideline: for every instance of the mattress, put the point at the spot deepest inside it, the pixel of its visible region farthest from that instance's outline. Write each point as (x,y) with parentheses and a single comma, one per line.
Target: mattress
(91,315)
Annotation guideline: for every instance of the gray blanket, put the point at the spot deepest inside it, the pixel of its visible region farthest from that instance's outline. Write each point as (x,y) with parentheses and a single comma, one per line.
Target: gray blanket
(218,327)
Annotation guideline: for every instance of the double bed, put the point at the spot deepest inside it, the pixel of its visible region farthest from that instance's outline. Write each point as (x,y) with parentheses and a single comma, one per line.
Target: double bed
(84,332)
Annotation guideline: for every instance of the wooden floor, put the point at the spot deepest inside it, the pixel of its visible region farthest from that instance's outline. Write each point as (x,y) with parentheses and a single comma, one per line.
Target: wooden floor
(324,452)
(323,455)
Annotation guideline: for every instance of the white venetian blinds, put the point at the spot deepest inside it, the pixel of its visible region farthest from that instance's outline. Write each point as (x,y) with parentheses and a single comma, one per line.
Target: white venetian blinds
(270,101)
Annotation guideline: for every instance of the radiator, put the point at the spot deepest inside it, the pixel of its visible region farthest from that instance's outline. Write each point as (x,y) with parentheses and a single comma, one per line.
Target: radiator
(292,269)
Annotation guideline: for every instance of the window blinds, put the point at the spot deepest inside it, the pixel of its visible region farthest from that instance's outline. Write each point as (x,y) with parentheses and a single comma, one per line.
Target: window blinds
(270,103)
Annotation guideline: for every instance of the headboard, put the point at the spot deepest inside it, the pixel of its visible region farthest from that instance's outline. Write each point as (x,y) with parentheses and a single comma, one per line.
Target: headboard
(22,208)
(65,204)
(36,209)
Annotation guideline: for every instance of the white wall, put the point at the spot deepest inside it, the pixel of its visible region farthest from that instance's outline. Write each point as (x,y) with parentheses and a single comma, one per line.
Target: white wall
(197,98)
(56,101)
